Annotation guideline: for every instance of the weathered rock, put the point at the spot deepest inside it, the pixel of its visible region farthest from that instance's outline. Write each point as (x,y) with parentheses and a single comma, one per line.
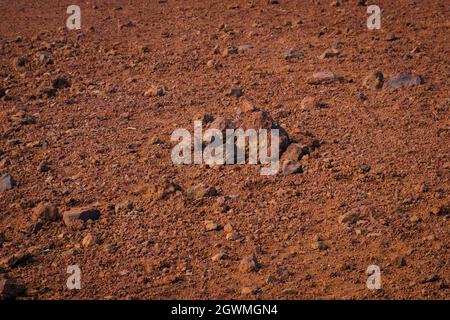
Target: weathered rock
(218,256)
(329,54)
(15,260)
(21,62)
(46,212)
(247,291)
(155,91)
(442,210)
(248,264)
(49,92)
(292,54)
(124,206)
(10,288)
(349,217)
(319,245)
(324,77)
(262,120)
(290,167)
(229,51)
(403,80)
(200,191)
(244,47)
(43,166)
(235,92)
(374,80)
(169,188)
(83,214)
(61,82)
(222,124)
(212,226)
(6,182)
(89,240)
(295,152)
(247,105)
(232,236)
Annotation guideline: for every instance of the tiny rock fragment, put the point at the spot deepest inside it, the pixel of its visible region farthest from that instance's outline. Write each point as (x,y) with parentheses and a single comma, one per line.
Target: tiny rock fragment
(248,264)
(290,167)
(293,54)
(82,214)
(10,288)
(46,212)
(89,240)
(374,80)
(6,182)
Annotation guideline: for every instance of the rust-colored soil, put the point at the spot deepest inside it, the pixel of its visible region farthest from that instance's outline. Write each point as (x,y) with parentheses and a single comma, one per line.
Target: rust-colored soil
(374,188)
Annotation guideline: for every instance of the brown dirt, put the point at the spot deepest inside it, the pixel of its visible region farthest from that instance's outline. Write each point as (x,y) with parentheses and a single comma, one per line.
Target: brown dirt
(383,153)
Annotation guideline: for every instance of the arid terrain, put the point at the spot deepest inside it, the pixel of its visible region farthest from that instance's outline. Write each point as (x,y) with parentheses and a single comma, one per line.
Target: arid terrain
(87,179)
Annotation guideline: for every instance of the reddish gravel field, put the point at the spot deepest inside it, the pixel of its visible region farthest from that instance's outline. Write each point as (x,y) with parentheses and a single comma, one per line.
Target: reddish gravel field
(87,177)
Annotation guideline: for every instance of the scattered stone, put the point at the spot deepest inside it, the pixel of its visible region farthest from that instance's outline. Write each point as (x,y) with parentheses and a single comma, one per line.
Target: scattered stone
(61,82)
(247,291)
(43,167)
(272,1)
(89,240)
(319,245)
(15,260)
(222,124)
(228,227)
(155,91)
(44,57)
(124,206)
(374,80)
(364,168)
(400,261)
(248,264)
(309,103)
(21,62)
(211,226)
(403,80)
(219,256)
(6,182)
(247,105)
(49,92)
(200,191)
(234,92)
(442,210)
(2,92)
(244,47)
(292,54)
(350,217)
(290,291)
(324,77)
(295,152)
(232,236)
(83,214)
(392,37)
(262,120)
(290,167)
(10,288)
(169,188)
(46,212)
(329,54)
(229,51)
